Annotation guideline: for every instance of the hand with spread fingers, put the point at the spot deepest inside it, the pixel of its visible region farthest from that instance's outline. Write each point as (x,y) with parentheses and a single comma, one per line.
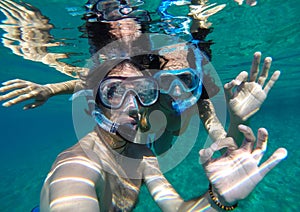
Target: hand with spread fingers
(24,90)
(235,174)
(21,90)
(245,96)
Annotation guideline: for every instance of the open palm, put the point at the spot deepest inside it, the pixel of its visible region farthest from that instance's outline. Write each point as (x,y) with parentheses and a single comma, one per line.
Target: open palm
(236,173)
(246,95)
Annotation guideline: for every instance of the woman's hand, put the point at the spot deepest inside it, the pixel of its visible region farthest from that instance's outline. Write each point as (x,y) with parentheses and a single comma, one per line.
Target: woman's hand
(245,96)
(22,90)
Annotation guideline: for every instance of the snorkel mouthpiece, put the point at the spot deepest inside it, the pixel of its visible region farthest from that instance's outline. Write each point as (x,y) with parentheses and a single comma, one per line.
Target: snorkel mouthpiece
(103,122)
(124,130)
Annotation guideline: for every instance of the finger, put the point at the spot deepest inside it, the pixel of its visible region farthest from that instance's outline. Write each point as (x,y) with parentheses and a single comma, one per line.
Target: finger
(228,90)
(206,154)
(242,77)
(19,99)
(249,139)
(236,82)
(18,7)
(265,71)
(14,93)
(271,82)
(13,87)
(33,105)
(6,14)
(10,8)
(261,144)
(276,157)
(13,81)
(255,66)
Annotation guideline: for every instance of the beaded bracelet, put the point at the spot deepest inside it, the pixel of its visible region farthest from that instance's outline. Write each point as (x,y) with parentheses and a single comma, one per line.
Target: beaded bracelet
(218,203)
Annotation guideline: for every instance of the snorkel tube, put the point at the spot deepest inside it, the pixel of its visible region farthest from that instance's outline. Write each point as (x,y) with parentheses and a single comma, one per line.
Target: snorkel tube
(181,105)
(112,127)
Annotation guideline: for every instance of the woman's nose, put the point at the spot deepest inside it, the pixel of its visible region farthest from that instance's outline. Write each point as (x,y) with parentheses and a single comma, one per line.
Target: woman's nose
(177,91)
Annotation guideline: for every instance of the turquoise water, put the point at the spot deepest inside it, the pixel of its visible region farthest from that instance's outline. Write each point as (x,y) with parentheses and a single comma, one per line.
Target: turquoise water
(30,140)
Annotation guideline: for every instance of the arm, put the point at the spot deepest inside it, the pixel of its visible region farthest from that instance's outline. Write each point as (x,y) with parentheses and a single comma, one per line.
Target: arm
(25,90)
(165,195)
(74,183)
(210,120)
(245,96)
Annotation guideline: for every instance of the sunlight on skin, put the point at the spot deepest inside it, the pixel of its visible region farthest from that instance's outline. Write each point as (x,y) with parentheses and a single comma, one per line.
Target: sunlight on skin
(237,172)
(203,208)
(87,164)
(238,164)
(267,166)
(62,200)
(78,179)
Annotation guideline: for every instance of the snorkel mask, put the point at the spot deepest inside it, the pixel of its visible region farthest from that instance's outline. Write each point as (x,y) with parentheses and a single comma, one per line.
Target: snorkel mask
(113,90)
(188,79)
(112,93)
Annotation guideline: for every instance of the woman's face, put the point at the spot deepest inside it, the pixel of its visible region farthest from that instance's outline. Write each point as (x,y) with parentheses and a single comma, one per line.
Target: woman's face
(177,59)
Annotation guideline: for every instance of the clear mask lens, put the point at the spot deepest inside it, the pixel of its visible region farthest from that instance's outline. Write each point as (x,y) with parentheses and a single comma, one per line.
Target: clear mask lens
(113,90)
(186,79)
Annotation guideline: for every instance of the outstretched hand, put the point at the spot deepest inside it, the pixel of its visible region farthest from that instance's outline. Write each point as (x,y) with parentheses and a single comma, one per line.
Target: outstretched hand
(236,173)
(22,90)
(245,96)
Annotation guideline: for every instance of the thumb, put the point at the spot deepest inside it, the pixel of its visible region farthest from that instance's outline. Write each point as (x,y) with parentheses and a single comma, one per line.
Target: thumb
(33,105)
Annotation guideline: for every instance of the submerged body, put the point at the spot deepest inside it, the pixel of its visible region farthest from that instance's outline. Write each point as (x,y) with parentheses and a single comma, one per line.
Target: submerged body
(96,177)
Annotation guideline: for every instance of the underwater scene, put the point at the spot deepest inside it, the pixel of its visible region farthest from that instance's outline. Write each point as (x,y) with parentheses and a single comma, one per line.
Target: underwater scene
(31,139)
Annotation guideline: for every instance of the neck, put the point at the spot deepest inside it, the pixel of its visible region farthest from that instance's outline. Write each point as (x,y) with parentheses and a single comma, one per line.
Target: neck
(113,141)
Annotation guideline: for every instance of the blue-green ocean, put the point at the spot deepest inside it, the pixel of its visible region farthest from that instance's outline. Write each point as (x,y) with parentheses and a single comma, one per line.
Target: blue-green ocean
(30,140)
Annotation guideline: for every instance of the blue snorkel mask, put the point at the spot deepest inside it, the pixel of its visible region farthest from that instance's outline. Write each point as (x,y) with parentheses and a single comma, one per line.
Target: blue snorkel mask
(188,79)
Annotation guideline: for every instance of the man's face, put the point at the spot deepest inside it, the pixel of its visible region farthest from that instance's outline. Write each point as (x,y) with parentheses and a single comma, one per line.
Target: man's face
(124,92)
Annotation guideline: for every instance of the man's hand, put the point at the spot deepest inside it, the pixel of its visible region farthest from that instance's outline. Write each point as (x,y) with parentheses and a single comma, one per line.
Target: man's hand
(245,96)
(236,173)
(21,90)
